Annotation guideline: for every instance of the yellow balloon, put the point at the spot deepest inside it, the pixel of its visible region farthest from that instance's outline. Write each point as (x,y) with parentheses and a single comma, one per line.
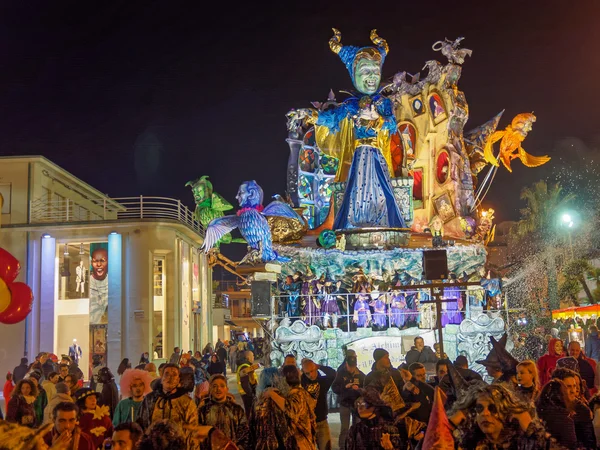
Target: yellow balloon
(5,296)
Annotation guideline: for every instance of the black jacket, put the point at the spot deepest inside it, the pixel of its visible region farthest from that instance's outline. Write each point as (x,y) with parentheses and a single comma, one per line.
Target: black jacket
(375,377)
(19,372)
(222,354)
(425,397)
(587,371)
(347,396)
(318,390)
(427,355)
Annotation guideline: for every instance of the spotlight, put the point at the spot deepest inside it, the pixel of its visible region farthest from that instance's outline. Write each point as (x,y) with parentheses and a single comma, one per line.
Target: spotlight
(113,233)
(46,236)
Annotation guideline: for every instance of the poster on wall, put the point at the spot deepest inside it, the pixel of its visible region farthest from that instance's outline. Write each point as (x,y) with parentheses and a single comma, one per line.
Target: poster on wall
(99,284)
(98,334)
(74,271)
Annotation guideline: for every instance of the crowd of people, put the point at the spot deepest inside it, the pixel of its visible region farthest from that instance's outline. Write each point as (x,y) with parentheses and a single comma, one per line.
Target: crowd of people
(550,403)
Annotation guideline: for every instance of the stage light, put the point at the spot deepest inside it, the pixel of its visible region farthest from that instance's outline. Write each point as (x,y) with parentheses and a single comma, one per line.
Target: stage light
(46,236)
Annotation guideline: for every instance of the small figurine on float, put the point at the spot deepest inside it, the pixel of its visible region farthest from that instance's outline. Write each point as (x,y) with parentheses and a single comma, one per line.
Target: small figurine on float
(252,222)
(379,306)
(436,227)
(329,306)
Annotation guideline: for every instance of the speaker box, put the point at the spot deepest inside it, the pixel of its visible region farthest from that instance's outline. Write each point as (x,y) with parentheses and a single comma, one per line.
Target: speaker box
(261,298)
(435,264)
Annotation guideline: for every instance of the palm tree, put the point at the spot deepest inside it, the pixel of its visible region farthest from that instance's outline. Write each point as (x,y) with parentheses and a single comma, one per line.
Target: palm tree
(543,206)
(576,271)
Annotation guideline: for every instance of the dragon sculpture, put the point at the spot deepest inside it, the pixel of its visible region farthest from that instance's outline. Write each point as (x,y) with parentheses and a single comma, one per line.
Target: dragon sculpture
(251,219)
(510,146)
(210,206)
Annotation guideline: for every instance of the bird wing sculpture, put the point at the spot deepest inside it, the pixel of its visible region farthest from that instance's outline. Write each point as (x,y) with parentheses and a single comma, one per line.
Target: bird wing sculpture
(252,224)
(282,209)
(218,228)
(510,146)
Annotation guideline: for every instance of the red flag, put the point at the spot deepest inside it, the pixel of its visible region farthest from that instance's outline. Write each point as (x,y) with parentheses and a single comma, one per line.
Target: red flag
(439,430)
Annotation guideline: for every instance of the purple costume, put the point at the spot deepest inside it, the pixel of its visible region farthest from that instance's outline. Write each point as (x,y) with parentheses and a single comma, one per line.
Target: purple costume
(379,312)
(398,308)
(450,310)
(362,312)
(310,310)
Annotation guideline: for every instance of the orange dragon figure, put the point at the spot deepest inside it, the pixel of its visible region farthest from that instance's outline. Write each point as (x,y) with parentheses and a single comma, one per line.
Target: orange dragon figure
(510,147)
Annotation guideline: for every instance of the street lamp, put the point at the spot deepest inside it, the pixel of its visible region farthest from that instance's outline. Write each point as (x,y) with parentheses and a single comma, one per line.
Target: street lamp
(568,222)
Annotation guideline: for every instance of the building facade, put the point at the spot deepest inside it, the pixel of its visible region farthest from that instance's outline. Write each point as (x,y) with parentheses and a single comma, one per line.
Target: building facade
(122,276)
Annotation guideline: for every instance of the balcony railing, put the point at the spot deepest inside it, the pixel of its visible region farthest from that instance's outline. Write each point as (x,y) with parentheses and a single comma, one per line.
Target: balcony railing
(65,210)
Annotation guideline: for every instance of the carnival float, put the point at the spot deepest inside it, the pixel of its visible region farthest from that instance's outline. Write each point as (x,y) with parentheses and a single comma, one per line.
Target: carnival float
(381,235)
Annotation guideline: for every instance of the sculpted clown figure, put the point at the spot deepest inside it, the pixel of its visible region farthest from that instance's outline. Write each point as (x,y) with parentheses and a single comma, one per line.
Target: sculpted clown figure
(358,133)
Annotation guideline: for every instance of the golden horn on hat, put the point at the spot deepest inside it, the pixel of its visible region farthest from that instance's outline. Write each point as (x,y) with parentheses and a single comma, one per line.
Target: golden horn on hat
(379,42)
(335,43)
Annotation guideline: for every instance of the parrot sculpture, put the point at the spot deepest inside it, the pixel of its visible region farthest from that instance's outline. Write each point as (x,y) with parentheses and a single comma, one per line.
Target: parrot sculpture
(252,222)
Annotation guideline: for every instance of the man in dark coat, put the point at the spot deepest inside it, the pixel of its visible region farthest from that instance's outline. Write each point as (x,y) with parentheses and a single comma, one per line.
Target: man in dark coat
(110,394)
(222,355)
(386,379)
(586,370)
(420,353)
(20,371)
(347,385)
(416,390)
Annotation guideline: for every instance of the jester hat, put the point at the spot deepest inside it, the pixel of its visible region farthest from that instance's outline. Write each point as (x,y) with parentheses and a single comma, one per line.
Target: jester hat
(350,54)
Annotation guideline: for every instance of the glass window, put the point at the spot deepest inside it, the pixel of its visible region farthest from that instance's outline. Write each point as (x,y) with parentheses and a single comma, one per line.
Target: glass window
(74,271)
(158,322)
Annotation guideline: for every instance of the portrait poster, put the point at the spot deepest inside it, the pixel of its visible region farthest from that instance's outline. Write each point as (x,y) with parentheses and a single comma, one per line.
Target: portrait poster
(98,285)
(444,208)
(437,109)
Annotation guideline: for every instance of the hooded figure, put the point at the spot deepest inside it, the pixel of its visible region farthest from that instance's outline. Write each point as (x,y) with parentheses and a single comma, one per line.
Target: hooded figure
(110,394)
(547,363)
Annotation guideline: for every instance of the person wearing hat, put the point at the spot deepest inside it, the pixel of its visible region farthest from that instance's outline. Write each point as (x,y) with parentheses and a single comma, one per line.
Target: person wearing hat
(376,429)
(547,363)
(110,393)
(492,365)
(386,379)
(62,395)
(93,419)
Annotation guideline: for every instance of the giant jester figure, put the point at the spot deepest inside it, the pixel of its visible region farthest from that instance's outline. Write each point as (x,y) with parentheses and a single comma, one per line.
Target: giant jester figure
(253,225)
(358,133)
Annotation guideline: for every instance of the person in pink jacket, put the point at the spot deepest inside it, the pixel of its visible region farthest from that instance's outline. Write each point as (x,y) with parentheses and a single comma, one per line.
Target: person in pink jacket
(547,363)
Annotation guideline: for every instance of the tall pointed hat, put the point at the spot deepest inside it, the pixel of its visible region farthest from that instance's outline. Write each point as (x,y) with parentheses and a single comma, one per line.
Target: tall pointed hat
(350,54)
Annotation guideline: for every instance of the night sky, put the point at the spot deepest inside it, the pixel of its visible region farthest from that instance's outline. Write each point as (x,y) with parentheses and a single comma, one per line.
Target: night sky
(138,97)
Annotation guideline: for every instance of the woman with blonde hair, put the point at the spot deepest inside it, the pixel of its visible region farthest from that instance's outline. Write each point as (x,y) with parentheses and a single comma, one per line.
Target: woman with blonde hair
(529,381)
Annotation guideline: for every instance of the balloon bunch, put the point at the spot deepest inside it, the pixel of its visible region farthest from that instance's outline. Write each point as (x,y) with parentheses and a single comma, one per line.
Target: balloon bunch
(16,299)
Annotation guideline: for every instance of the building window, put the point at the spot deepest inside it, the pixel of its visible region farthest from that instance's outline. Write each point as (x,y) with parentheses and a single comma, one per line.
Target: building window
(74,271)
(158,322)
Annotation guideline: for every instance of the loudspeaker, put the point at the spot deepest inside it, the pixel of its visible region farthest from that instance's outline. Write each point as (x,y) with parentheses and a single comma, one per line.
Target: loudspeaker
(261,298)
(435,264)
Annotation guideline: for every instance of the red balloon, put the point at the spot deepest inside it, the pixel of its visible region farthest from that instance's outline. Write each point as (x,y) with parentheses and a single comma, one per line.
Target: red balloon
(20,305)
(9,266)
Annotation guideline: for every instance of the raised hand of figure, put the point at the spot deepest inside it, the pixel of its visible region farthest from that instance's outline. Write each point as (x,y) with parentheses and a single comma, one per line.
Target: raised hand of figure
(386,443)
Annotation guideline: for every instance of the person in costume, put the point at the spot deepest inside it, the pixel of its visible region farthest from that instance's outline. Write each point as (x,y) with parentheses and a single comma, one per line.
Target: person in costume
(358,132)
(268,423)
(221,411)
(379,307)
(93,419)
(110,394)
(135,385)
(312,305)
(398,308)
(362,311)
(329,305)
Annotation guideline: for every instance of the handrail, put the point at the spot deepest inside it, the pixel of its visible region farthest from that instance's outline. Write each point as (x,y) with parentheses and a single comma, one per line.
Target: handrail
(64,210)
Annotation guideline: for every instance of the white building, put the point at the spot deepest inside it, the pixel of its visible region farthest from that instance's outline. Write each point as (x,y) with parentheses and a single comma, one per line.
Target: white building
(146,254)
